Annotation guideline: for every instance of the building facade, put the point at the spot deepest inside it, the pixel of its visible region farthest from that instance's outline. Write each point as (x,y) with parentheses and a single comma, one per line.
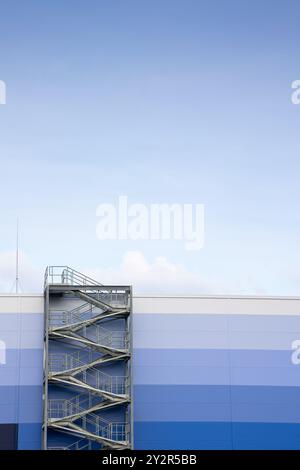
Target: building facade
(208,372)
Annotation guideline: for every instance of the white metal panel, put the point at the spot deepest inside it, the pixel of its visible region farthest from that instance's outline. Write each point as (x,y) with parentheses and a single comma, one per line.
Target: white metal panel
(217,305)
(21,303)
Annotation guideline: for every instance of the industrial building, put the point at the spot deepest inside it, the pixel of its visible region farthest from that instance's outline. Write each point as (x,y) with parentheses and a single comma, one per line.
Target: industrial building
(87,366)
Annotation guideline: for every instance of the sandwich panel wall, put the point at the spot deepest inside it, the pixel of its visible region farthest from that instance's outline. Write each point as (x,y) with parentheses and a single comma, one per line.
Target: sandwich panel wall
(216,374)
(209,373)
(21,371)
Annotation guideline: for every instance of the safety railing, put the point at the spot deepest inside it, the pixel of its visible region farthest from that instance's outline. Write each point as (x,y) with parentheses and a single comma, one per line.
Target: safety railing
(64,275)
(99,380)
(84,312)
(67,275)
(90,423)
(115,384)
(96,333)
(59,408)
(60,362)
(118,432)
(114,339)
(82,444)
(112,431)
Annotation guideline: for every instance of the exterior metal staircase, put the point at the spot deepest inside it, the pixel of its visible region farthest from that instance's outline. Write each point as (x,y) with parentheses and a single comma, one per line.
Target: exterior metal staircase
(86,375)
(79,341)
(78,414)
(74,418)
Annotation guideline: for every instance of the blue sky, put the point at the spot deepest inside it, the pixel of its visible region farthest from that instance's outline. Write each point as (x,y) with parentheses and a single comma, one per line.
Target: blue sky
(164,101)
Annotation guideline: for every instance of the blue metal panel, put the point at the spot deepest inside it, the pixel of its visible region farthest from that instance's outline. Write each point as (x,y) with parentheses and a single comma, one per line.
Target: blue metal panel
(29,436)
(215,367)
(201,381)
(216,382)
(217,403)
(217,436)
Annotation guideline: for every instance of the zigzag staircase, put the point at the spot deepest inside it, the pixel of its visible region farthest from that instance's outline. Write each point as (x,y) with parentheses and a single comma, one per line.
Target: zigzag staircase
(79,342)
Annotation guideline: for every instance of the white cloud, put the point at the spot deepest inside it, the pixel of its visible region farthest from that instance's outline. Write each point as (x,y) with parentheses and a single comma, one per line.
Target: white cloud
(156,277)
(159,276)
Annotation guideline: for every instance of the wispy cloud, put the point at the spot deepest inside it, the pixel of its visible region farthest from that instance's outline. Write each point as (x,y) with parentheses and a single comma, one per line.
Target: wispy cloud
(159,276)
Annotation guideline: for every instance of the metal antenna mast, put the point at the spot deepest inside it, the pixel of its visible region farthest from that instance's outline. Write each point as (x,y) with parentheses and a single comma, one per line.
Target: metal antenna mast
(17,259)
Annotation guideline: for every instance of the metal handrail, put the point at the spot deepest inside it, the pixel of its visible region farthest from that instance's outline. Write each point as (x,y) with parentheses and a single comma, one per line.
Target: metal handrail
(98,426)
(76,315)
(117,339)
(59,362)
(97,333)
(82,444)
(67,275)
(63,407)
(70,317)
(114,339)
(115,384)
